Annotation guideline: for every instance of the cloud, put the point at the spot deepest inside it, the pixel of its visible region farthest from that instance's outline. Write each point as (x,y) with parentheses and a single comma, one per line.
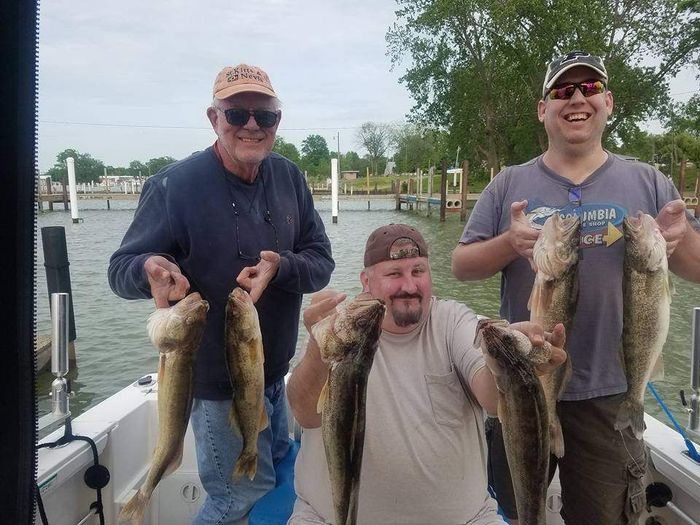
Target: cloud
(131,80)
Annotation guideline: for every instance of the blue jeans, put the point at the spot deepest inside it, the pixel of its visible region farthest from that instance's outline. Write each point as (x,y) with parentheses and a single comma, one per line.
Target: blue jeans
(228,502)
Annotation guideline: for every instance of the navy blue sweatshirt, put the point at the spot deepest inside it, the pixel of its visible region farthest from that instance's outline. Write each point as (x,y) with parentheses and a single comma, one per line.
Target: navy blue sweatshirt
(186,213)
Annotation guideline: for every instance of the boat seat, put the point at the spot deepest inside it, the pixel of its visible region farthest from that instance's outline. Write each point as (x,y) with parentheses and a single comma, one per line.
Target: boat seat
(276,506)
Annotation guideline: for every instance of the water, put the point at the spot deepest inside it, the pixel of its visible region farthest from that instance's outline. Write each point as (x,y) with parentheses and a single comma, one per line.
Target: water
(113,349)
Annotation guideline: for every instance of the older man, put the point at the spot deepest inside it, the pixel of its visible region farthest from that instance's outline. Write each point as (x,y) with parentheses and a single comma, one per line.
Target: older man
(424,459)
(601,472)
(233,214)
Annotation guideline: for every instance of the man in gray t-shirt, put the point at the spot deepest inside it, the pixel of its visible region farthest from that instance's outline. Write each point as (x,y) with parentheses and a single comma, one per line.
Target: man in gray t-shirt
(577,176)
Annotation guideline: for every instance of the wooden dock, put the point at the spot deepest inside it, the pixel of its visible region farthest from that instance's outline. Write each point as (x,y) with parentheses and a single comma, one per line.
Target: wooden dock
(42,349)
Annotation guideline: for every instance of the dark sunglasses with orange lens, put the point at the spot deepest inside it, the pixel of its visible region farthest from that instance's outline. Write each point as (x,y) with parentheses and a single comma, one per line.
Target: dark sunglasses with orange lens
(239,117)
(566,91)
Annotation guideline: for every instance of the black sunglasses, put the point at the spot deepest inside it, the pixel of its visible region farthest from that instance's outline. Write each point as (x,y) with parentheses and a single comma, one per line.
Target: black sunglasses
(566,91)
(255,258)
(239,117)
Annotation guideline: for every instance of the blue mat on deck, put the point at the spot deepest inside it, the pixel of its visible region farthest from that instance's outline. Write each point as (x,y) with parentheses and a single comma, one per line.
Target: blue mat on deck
(276,506)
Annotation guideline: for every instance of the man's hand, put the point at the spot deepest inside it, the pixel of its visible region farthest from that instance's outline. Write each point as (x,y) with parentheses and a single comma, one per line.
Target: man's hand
(166,281)
(254,279)
(672,223)
(522,235)
(556,338)
(322,305)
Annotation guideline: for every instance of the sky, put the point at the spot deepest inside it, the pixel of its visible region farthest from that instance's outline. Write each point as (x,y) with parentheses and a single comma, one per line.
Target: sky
(131,80)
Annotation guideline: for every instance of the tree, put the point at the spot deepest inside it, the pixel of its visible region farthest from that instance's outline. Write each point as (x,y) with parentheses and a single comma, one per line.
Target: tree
(478,65)
(351,161)
(375,138)
(315,158)
(155,165)
(137,168)
(286,149)
(87,169)
(418,147)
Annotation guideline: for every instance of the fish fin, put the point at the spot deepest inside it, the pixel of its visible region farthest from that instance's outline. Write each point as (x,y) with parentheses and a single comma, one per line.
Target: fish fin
(540,299)
(134,509)
(322,398)
(247,465)
(175,463)
(631,414)
(556,438)
(566,370)
(670,287)
(502,383)
(657,371)
(161,368)
(263,423)
(233,420)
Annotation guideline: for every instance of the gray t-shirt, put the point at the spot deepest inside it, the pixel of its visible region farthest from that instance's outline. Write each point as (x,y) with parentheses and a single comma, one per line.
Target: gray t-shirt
(424,458)
(618,188)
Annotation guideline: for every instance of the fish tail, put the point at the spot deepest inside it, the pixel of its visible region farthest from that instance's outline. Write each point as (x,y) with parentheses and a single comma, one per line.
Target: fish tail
(134,509)
(247,465)
(631,414)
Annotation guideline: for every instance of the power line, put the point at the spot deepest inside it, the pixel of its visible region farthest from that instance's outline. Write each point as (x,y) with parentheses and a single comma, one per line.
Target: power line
(151,126)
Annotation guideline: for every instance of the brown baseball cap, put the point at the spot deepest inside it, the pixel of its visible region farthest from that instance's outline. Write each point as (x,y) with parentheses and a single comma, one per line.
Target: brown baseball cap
(242,79)
(394,241)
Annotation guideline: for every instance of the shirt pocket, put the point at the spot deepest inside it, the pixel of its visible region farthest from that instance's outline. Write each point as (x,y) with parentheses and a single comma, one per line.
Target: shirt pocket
(446,398)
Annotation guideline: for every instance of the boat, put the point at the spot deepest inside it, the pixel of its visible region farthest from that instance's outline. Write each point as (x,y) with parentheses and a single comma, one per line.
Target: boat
(124,429)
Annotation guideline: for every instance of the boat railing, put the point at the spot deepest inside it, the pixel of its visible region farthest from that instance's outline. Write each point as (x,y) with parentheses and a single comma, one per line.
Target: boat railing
(693,412)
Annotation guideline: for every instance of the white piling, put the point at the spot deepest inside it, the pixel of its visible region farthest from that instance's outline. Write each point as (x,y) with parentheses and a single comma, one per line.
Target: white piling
(72,190)
(334,190)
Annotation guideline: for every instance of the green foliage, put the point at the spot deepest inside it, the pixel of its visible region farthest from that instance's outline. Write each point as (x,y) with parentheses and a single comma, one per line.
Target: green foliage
(137,168)
(315,159)
(477,66)
(420,147)
(155,165)
(87,168)
(286,149)
(375,138)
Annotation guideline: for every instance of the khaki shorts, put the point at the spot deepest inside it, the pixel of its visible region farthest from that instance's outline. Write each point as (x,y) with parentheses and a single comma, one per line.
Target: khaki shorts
(602,471)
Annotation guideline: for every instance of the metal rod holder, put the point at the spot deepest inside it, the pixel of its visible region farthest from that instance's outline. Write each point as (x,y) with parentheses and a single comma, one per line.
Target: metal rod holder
(694,416)
(59,365)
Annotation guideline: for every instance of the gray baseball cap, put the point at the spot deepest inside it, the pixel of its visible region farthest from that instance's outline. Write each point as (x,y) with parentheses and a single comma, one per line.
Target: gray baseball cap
(560,65)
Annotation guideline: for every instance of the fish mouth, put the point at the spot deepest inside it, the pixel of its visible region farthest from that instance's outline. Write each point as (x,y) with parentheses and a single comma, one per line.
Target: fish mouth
(486,329)
(568,225)
(635,222)
(367,310)
(192,307)
(239,296)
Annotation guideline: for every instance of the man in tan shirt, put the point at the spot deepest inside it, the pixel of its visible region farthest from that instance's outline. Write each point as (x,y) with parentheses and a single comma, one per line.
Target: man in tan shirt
(424,453)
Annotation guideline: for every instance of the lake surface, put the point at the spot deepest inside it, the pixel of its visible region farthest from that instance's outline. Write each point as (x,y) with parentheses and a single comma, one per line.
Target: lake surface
(113,349)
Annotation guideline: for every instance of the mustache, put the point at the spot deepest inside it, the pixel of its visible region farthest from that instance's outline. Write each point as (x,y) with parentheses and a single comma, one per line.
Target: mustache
(405,295)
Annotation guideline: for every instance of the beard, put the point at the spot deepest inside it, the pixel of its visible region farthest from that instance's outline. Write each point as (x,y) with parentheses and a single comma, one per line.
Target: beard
(404,314)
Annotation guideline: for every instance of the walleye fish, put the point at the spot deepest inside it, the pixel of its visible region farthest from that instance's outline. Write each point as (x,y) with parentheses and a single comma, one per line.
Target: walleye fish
(646,289)
(176,332)
(245,358)
(347,340)
(553,301)
(522,410)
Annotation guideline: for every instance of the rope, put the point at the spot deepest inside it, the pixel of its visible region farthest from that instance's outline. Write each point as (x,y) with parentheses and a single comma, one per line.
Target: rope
(692,452)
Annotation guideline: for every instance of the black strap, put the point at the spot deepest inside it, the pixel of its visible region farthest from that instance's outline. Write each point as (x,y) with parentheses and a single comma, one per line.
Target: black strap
(68,437)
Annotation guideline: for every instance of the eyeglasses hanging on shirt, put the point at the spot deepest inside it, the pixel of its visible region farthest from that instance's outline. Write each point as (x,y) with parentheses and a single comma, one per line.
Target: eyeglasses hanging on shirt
(267,217)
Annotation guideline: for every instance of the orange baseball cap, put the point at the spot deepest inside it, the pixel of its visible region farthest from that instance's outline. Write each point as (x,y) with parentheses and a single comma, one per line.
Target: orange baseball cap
(242,79)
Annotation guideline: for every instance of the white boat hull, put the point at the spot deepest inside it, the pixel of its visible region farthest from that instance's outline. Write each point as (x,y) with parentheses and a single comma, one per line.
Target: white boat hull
(125,429)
